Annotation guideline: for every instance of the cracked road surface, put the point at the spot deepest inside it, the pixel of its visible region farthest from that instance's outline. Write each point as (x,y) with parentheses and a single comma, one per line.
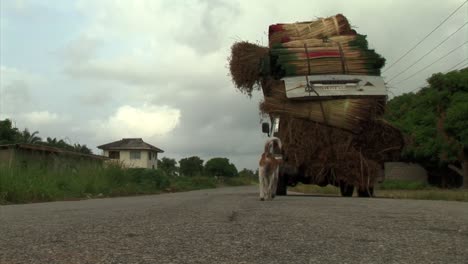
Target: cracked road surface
(230,225)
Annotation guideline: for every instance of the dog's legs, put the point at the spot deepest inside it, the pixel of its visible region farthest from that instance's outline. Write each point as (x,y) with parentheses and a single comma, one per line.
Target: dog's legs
(261,179)
(274,183)
(266,187)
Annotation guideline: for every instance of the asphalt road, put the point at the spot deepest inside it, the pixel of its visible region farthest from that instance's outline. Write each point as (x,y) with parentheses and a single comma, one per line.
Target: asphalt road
(230,225)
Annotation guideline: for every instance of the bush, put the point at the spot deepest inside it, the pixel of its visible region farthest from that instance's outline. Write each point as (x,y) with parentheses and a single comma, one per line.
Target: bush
(238,181)
(192,183)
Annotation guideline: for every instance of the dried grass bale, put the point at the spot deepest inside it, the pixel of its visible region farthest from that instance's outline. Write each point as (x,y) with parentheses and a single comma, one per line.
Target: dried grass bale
(245,65)
(320,28)
(323,153)
(347,113)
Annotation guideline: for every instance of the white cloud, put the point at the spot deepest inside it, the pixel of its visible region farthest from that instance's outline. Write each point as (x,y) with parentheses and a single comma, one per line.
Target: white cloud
(145,121)
(10,73)
(40,118)
(15,88)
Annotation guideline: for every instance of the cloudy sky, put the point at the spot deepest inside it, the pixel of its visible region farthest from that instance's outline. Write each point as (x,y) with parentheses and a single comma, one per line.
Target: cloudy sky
(97,71)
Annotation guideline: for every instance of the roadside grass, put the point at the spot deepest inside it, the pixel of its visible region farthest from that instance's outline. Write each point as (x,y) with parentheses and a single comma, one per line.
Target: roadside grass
(396,190)
(428,194)
(315,189)
(403,185)
(39,183)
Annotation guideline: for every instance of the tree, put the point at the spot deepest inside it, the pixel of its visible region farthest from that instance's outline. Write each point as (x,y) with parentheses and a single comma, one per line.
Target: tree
(169,166)
(247,173)
(26,137)
(11,135)
(53,142)
(191,166)
(220,167)
(82,149)
(8,134)
(435,122)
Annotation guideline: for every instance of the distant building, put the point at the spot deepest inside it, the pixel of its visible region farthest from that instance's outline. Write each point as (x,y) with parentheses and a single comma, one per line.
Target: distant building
(30,154)
(405,171)
(133,153)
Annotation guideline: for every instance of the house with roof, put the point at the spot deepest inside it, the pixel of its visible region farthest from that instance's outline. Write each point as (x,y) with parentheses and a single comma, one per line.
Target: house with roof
(132,152)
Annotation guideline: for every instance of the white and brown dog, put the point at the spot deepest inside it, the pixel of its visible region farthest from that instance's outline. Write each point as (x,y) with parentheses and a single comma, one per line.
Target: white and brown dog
(269,169)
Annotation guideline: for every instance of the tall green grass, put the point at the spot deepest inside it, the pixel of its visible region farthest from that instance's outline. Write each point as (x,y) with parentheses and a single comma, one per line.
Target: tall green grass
(36,182)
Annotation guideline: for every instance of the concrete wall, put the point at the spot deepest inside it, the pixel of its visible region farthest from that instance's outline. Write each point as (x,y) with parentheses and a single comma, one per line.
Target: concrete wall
(6,157)
(26,157)
(405,171)
(143,162)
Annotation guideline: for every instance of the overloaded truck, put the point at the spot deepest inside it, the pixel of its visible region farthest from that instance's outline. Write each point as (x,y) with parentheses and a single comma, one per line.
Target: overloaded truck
(324,98)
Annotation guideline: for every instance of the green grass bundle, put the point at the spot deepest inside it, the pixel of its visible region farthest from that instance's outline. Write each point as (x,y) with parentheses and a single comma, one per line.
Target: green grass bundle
(336,55)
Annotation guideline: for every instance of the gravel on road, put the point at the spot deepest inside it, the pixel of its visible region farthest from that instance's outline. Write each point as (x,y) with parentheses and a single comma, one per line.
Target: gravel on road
(230,225)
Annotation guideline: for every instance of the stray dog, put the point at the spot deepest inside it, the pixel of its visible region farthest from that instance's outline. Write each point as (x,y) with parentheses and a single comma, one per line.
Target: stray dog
(269,169)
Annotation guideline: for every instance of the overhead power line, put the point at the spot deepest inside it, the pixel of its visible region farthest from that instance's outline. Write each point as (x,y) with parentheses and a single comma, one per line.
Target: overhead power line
(430,33)
(429,52)
(458,64)
(451,68)
(444,56)
(463,66)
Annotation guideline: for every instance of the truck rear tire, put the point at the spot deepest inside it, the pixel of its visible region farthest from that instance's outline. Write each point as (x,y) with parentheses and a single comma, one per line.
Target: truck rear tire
(282,187)
(346,190)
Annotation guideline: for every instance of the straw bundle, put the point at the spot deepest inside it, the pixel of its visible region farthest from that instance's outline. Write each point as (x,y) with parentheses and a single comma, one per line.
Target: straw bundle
(346,113)
(342,113)
(245,65)
(329,153)
(323,27)
(337,55)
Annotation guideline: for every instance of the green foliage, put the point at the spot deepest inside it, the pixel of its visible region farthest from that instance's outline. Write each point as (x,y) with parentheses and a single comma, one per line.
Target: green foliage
(53,142)
(424,194)
(182,183)
(220,167)
(403,185)
(169,166)
(155,179)
(27,137)
(191,166)
(8,134)
(38,182)
(11,135)
(456,122)
(246,173)
(238,181)
(434,120)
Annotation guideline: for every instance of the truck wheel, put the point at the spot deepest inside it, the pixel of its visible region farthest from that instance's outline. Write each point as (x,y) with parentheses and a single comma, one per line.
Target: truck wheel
(346,190)
(282,188)
(366,193)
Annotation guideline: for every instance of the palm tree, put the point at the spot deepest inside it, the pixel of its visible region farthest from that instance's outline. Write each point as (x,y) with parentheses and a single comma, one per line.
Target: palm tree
(26,137)
(82,149)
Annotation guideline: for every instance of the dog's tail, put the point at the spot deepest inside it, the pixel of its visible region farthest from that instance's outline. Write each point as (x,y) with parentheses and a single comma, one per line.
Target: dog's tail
(272,144)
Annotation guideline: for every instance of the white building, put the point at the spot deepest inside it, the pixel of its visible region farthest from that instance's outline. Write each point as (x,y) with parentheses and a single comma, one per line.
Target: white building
(133,153)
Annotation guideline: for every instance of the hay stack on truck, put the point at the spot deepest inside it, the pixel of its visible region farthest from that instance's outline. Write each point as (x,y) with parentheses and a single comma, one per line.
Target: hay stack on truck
(324,96)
